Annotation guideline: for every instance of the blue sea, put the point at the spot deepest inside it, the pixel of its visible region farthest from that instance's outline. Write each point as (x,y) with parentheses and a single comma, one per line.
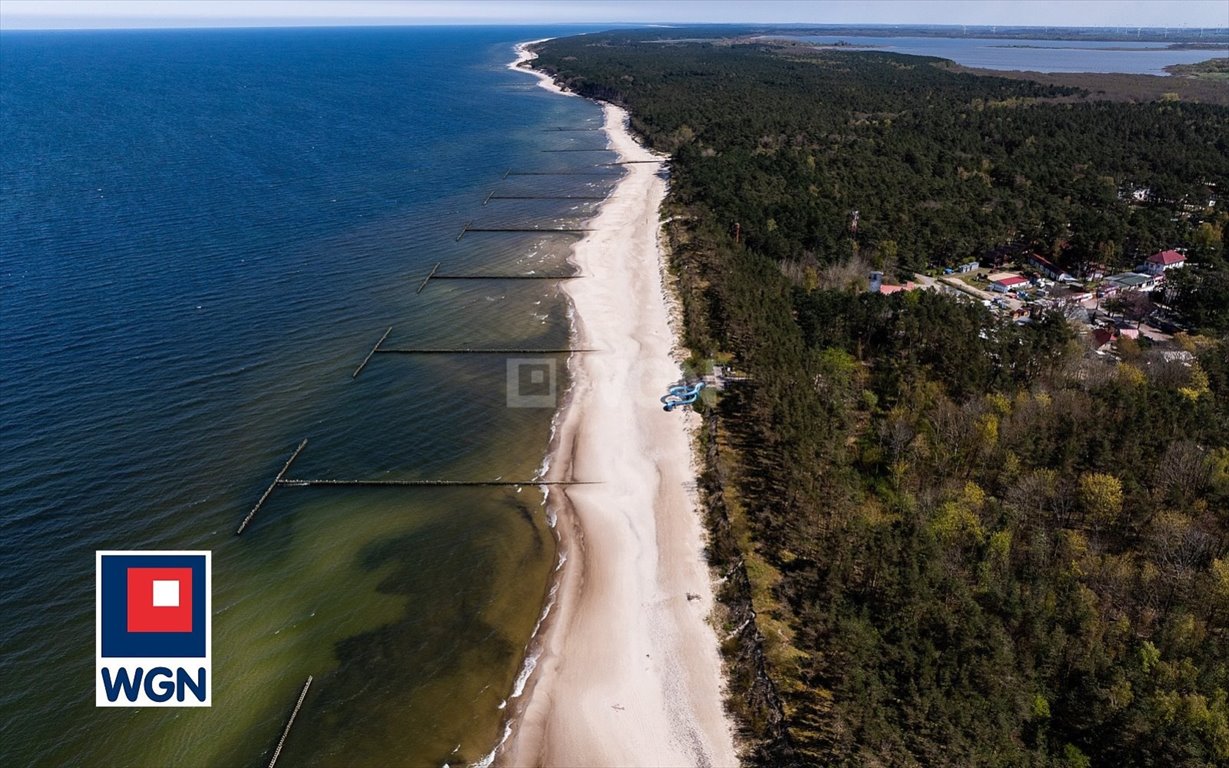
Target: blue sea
(1032,55)
(202,234)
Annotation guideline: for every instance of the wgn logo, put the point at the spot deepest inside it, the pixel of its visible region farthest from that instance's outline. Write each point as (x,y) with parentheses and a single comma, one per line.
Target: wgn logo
(152,629)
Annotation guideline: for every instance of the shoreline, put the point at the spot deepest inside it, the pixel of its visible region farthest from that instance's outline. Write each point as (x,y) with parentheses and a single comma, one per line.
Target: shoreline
(624,668)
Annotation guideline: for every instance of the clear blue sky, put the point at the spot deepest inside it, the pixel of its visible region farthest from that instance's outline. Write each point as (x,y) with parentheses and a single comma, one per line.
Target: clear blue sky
(180,13)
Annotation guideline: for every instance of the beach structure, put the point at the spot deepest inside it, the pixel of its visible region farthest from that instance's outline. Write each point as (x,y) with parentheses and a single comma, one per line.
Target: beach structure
(434,275)
(607,174)
(468,228)
(380,349)
(494,196)
(281,742)
(281,481)
(681,394)
(269,491)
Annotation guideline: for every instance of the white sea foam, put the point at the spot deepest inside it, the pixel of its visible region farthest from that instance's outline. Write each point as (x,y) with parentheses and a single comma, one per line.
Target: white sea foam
(486,760)
(531,663)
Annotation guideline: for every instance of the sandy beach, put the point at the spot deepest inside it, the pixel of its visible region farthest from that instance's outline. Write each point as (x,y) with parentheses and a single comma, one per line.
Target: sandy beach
(628,670)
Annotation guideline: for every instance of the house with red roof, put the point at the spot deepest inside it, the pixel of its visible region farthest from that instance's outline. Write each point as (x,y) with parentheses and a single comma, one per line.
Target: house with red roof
(1103,336)
(878,286)
(1159,263)
(1007,284)
(887,290)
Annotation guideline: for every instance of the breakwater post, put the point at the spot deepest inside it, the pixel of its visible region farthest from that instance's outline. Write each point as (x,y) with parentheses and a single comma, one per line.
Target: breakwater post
(265,496)
(375,349)
(393,483)
(547,276)
(562,173)
(526,229)
(430,274)
(494,196)
(277,751)
(479,351)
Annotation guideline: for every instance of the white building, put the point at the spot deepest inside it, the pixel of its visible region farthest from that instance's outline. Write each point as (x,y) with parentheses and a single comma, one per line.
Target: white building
(1159,263)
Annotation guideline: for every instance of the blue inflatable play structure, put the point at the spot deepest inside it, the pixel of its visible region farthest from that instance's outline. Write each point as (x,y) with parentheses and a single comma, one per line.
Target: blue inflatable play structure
(681,394)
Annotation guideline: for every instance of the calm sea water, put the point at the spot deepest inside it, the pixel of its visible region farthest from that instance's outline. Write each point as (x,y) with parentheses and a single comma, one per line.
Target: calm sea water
(202,233)
(1034,55)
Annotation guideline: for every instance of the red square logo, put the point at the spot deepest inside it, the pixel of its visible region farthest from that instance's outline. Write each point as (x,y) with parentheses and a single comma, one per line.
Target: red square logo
(159,599)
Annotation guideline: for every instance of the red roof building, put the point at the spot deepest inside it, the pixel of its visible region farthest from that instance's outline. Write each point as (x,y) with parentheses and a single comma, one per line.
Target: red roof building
(1159,262)
(1103,336)
(1006,284)
(887,290)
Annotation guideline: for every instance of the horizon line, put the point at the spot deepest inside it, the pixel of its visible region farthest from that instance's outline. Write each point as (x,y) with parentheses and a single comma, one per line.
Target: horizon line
(368,23)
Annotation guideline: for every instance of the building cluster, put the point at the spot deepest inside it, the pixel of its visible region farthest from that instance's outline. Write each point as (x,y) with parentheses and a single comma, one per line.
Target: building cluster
(1093,302)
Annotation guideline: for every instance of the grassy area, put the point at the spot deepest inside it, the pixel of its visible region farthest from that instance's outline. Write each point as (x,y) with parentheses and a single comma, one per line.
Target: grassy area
(1212,69)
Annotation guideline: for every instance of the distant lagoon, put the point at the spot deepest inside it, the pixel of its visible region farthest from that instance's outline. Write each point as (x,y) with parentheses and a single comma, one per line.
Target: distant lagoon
(1033,55)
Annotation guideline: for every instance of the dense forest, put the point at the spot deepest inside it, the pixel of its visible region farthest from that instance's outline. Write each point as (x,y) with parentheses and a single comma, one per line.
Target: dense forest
(941,166)
(945,537)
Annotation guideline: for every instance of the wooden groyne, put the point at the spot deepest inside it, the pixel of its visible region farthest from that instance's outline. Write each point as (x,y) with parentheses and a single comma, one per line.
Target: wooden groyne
(427,483)
(494,196)
(431,274)
(467,229)
(282,481)
(562,173)
(479,351)
(437,276)
(265,496)
(572,129)
(632,162)
(376,348)
(529,229)
(507,277)
(277,752)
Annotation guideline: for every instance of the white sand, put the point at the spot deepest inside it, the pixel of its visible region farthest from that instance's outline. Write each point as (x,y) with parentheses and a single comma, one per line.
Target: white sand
(628,671)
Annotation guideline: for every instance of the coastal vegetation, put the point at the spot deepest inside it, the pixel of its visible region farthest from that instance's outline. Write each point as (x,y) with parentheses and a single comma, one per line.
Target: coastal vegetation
(1201,83)
(1114,86)
(1212,69)
(947,538)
